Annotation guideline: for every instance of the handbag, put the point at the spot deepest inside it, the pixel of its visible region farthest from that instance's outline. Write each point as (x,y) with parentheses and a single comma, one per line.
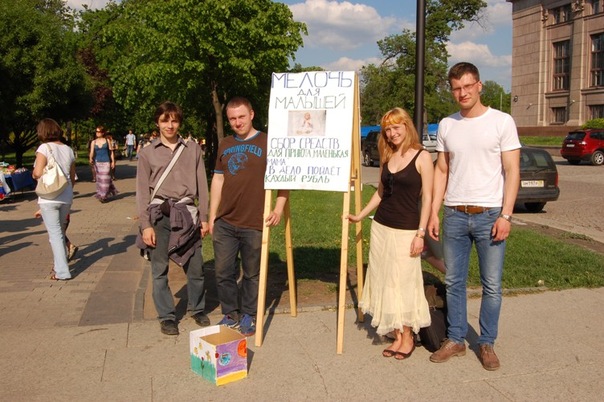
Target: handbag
(432,337)
(53,181)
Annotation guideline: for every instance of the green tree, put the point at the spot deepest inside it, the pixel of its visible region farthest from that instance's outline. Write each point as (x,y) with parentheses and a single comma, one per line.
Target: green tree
(195,53)
(392,83)
(494,95)
(39,72)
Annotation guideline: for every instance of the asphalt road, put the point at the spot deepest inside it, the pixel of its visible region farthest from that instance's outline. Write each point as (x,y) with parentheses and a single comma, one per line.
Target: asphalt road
(578,210)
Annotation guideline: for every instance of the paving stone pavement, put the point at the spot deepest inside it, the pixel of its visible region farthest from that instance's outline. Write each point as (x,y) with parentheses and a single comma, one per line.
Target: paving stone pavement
(95,337)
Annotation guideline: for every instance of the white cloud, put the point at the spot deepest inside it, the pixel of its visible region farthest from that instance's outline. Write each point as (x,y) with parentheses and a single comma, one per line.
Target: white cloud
(342,25)
(497,16)
(92,4)
(477,54)
(348,64)
(499,13)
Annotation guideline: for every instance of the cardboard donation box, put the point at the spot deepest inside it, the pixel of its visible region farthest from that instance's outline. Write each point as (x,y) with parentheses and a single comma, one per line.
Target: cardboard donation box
(218,354)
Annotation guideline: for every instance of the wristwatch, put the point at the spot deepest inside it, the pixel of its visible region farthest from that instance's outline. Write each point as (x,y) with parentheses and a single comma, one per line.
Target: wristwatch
(506,217)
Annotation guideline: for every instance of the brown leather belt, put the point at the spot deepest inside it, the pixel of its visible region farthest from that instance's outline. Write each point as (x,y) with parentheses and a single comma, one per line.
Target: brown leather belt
(470,209)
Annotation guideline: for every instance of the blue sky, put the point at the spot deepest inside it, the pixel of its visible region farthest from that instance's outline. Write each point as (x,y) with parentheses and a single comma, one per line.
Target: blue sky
(343,35)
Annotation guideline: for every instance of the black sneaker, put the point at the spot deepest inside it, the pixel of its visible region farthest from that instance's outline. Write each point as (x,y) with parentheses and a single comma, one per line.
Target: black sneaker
(201,319)
(169,327)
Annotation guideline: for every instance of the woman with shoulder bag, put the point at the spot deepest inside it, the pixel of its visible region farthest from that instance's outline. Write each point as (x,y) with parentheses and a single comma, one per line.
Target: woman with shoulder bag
(103,158)
(55,210)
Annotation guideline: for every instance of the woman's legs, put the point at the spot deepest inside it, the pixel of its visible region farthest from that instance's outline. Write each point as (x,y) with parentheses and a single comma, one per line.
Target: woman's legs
(54,215)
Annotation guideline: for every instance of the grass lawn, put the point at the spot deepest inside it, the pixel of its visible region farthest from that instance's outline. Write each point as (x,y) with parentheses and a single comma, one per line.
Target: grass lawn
(537,141)
(530,257)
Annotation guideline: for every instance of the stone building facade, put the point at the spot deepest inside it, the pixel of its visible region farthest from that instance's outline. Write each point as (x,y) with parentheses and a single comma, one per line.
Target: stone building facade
(557,64)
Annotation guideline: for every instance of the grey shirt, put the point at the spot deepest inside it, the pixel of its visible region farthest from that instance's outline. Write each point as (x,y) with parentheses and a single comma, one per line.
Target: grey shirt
(186,179)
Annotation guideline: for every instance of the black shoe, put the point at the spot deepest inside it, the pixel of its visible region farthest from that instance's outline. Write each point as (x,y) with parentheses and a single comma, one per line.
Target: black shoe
(201,319)
(169,327)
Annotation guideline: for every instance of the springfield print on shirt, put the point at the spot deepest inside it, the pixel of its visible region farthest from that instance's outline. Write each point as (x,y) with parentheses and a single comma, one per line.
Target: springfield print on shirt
(237,157)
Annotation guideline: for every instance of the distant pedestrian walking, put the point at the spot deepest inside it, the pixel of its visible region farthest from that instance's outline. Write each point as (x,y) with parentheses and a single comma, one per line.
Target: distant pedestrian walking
(130,144)
(101,155)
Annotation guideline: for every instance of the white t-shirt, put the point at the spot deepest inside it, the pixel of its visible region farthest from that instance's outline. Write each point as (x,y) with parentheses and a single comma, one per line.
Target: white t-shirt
(64,157)
(475,145)
(130,139)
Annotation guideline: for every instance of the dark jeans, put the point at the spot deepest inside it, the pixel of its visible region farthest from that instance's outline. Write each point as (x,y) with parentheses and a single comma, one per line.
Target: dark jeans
(162,295)
(229,241)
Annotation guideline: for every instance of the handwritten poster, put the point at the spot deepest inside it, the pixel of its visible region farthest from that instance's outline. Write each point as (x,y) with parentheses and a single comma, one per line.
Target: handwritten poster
(310,131)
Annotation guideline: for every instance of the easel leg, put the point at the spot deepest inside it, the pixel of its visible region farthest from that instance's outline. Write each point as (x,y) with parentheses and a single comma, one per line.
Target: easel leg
(263,272)
(289,251)
(343,275)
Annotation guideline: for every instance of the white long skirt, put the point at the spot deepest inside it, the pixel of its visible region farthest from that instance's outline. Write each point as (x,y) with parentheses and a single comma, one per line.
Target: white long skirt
(393,293)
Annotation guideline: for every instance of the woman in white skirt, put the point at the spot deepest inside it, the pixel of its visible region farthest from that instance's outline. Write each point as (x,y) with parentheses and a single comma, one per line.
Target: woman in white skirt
(394,288)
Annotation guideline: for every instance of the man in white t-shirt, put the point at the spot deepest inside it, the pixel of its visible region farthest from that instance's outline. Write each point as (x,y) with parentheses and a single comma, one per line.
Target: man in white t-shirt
(477,175)
(130,144)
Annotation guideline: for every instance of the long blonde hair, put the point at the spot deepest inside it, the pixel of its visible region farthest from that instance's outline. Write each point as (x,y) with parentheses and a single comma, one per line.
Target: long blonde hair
(397,116)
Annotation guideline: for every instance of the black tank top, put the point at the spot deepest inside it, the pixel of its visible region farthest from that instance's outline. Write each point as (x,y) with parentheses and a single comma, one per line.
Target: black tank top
(398,208)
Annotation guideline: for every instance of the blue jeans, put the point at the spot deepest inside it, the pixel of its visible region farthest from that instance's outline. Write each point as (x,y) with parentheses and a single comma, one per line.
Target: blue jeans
(162,295)
(460,230)
(54,215)
(229,241)
(129,151)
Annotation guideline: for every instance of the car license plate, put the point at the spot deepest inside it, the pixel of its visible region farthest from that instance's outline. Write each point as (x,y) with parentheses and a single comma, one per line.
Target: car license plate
(531,183)
(570,145)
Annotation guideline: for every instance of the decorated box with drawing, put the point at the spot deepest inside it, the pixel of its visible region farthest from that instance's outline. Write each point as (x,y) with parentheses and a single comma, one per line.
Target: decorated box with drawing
(218,354)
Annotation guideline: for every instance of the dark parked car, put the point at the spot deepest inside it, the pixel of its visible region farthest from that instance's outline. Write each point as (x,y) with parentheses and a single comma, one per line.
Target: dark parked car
(584,145)
(538,179)
(369,149)
(371,154)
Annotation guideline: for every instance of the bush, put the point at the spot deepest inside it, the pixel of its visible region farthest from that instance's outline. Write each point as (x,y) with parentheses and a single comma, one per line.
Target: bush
(594,123)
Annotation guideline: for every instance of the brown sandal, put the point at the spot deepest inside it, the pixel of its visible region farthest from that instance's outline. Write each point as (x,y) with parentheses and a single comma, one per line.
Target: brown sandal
(388,353)
(403,356)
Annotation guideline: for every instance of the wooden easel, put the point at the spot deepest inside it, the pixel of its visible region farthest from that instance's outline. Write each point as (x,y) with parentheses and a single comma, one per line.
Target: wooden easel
(291,277)
(355,184)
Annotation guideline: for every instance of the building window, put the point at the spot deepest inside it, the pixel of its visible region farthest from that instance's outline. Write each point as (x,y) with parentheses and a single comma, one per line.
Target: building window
(596,111)
(597,60)
(561,14)
(596,6)
(561,65)
(559,115)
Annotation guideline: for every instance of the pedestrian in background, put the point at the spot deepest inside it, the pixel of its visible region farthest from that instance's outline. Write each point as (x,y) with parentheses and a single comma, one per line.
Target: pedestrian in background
(113,147)
(130,144)
(103,159)
(55,211)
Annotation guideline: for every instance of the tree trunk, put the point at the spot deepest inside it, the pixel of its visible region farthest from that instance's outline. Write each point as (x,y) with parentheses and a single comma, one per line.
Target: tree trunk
(218,107)
(216,134)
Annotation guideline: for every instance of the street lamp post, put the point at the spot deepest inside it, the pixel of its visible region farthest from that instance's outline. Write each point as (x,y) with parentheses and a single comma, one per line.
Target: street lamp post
(420,48)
